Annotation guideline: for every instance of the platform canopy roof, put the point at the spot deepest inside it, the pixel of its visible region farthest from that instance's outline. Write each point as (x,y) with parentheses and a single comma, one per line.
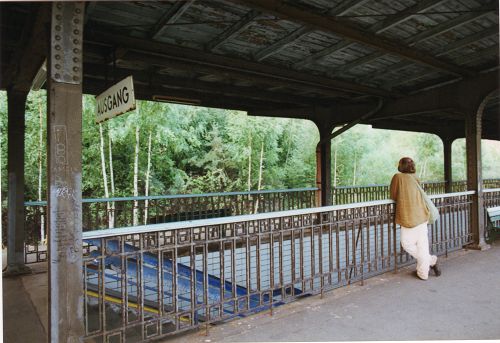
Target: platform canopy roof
(331,61)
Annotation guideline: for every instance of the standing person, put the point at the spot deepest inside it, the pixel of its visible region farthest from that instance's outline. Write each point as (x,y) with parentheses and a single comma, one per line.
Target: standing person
(412,214)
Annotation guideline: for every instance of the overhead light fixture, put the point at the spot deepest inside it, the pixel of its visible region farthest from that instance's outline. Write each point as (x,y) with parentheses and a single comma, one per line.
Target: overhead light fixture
(40,77)
(176,100)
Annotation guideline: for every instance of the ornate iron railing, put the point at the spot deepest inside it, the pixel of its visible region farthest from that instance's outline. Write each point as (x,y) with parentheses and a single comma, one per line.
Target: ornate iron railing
(119,212)
(143,283)
(128,211)
(492,197)
(353,194)
(491,183)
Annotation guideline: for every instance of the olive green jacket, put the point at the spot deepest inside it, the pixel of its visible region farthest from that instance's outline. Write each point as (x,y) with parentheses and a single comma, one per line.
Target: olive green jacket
(410,206)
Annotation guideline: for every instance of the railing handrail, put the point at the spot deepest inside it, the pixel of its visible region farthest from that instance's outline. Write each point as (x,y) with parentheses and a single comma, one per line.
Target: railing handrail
(363,186)
(450,195)
(387,185)
(178,196)
(131,230)
(491,190)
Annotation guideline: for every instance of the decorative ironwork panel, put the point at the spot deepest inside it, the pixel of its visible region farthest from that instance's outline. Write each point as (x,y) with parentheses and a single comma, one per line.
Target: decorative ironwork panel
(100,214)
(161,280)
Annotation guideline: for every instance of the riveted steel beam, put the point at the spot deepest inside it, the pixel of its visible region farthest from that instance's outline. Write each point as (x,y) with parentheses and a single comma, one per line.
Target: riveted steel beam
(64,133)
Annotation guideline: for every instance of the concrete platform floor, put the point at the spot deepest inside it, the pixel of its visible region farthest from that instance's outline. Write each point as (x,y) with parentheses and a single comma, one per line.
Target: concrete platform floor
(462,304)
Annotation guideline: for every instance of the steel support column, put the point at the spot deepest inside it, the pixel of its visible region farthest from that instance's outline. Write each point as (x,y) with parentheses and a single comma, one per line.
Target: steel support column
(15,156)
(64,132)
(474,177)
(324,171)
(448,177)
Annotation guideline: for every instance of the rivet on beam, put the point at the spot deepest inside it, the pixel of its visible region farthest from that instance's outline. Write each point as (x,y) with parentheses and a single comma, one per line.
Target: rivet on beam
(68,19)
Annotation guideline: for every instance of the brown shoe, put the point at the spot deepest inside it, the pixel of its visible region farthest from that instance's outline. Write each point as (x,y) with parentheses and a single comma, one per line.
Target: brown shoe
(435,268)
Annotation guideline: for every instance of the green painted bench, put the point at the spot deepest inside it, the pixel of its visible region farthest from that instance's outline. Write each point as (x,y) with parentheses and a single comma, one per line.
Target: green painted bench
(493,226)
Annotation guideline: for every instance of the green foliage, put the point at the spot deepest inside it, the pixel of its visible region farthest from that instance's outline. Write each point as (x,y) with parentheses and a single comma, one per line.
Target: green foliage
(376,154)
(490,155)
(198,150)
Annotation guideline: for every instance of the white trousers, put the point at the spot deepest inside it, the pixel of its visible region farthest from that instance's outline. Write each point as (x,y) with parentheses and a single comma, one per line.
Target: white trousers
(415,241)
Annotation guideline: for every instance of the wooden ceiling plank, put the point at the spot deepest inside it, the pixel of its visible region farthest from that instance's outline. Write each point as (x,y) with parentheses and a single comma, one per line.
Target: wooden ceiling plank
(490,51)
(232,31)
(346,6)
(451,24)
(377,28)
(492,31)
(393,20)
(267,79)
(449,96)
(382,26)
(321,53)
(435,31)
(169,17)
(340,10)
(462,60)
(321,22)
(222,64)
(493,50)
(440,52)
(356,63)
(406,80)
(281,44)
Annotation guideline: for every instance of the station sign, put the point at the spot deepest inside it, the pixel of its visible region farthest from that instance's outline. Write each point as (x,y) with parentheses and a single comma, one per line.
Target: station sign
(116,100)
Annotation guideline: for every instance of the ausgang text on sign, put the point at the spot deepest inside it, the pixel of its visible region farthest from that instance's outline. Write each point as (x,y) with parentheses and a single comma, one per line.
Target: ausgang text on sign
(116,100)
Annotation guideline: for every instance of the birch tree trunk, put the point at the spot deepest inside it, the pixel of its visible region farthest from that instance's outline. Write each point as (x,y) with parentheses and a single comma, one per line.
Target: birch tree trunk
(289,144)
(249,182)
(335,166)
(1,207)
(104,174)
(112,181)
(135,218)
(148,171)
(43,236)
(260,176)
(354,171)
(335,174)
(423,170)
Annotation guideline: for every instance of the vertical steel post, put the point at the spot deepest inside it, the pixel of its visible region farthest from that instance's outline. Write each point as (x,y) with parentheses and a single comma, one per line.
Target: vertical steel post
(448,178)
(324,171)
(64,132)
(15,156)
(474,177)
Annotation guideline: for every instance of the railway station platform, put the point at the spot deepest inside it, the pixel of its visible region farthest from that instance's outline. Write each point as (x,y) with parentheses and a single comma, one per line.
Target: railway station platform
(462,304)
